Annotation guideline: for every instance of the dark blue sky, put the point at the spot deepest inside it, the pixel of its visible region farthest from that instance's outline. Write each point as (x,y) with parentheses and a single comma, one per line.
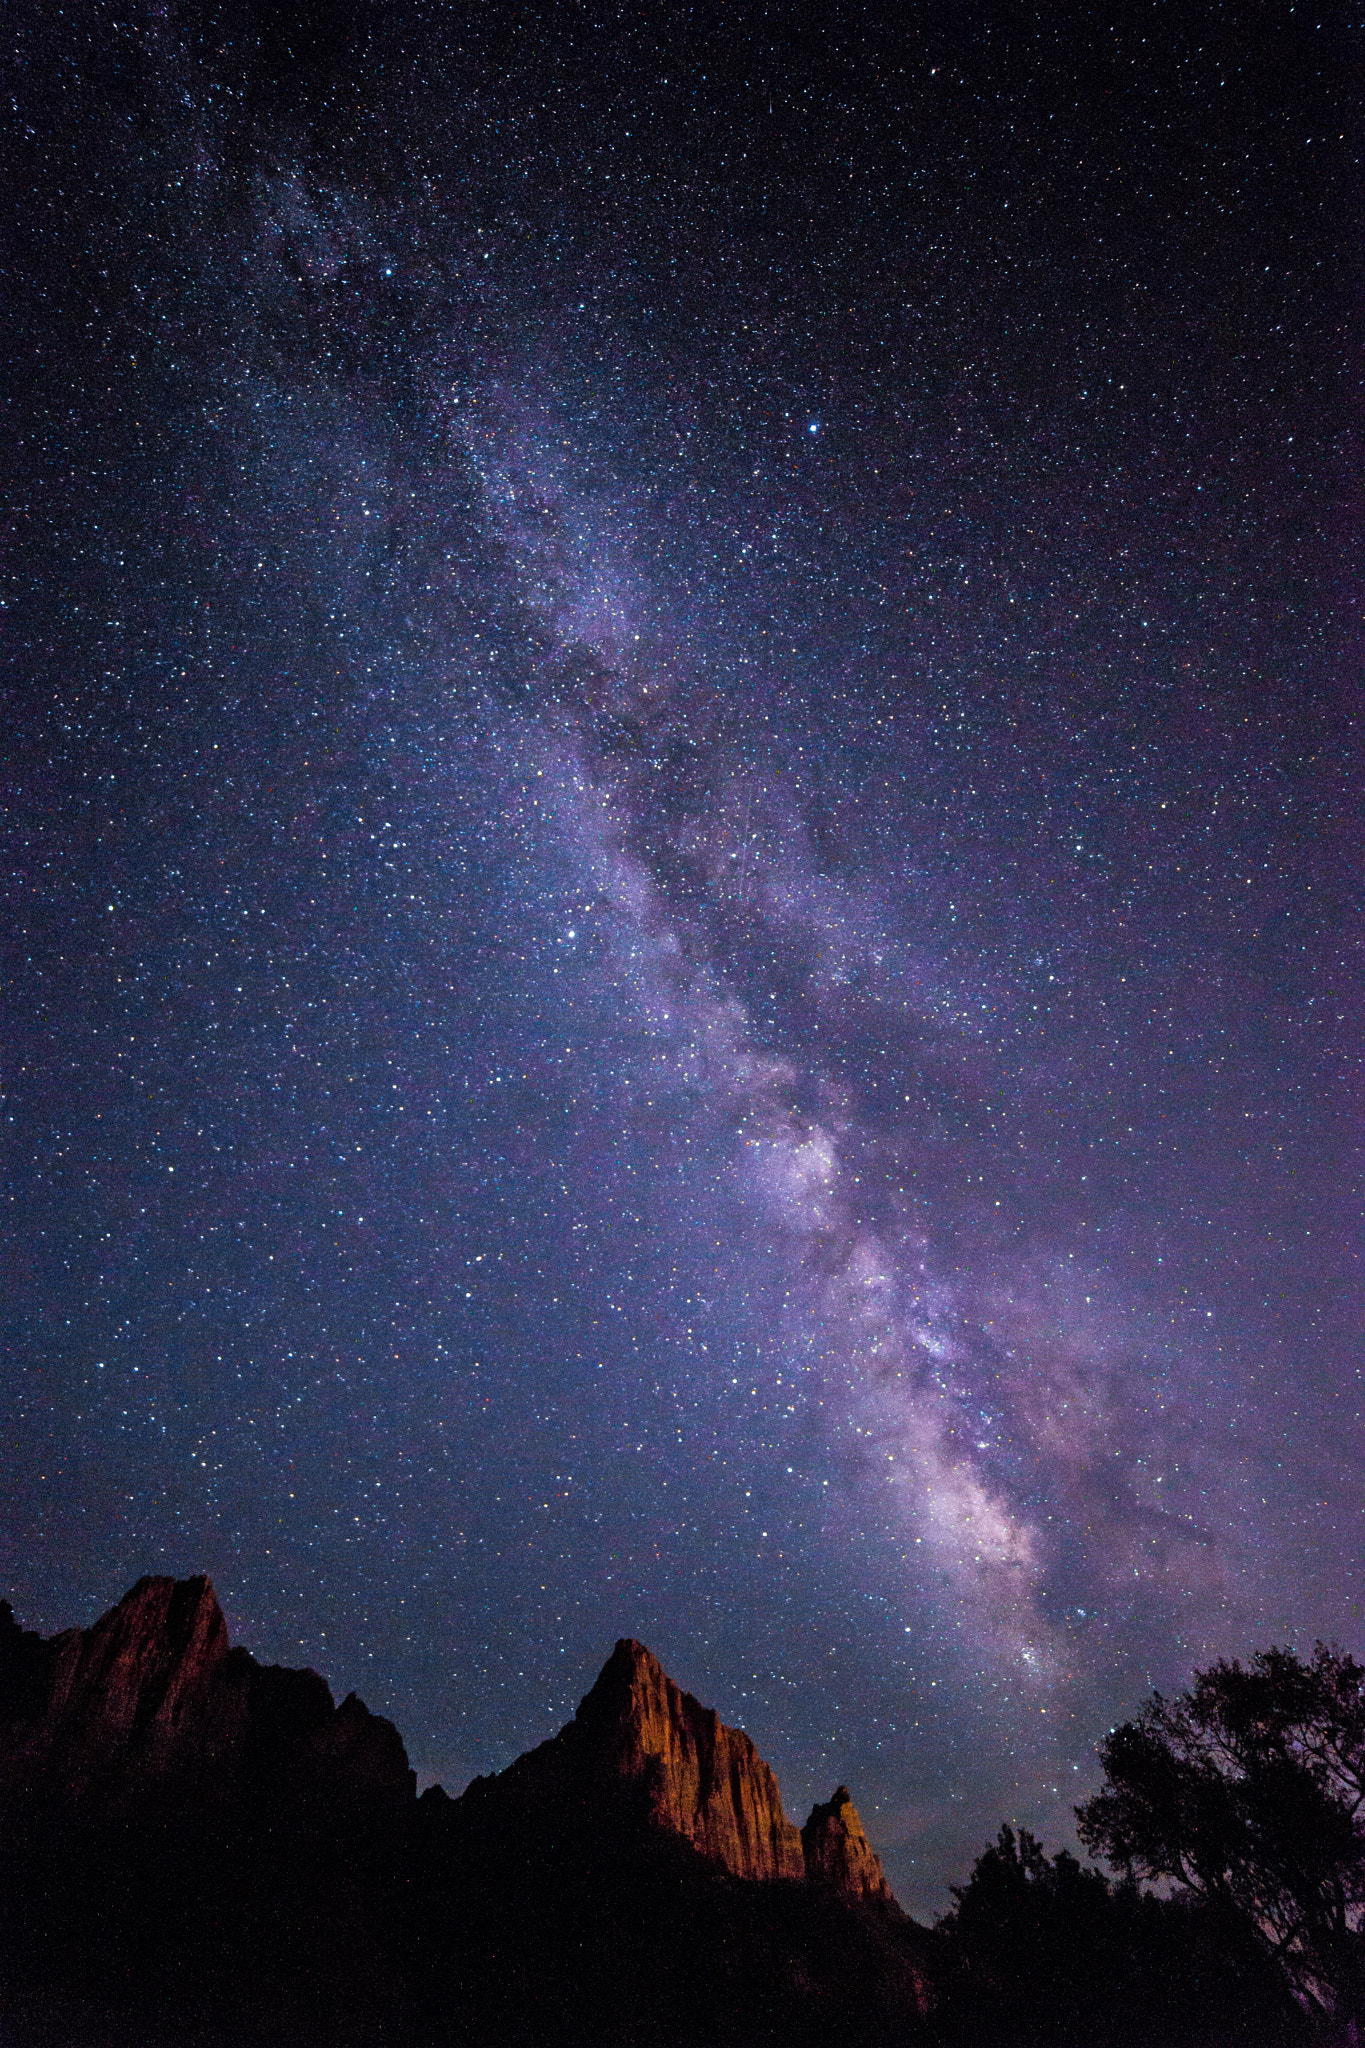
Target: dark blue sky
(682,790)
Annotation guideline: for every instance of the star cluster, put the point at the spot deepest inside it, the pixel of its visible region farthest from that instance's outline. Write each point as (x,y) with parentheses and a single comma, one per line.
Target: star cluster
(682,791)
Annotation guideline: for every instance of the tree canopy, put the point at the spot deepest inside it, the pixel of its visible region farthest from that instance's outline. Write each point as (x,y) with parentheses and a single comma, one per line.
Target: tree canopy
(1247,1792)
(1043,1952)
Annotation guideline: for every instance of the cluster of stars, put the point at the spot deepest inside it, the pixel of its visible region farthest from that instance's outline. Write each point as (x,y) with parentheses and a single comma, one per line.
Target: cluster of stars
(683,952)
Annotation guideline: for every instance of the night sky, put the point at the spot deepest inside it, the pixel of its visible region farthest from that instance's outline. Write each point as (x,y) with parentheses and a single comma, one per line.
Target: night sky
(682,791)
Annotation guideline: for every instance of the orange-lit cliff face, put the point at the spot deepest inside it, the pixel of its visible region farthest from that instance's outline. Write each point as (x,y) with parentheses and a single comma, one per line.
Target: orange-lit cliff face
(134,1692)
(177,1816)
(639,1734)
(153,1691)
(837,1851)
(702,1780)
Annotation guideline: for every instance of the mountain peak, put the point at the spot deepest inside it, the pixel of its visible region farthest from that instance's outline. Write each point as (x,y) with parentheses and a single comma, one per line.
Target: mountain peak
(136,1677)
(177,1816)
(153,1690)
(838,1853)
(632,1665)
(638,1734)
(700,1779)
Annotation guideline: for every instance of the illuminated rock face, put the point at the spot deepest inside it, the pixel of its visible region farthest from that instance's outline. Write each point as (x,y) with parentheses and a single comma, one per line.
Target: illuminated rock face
(700,1779)
(130,1693)
(234,1853)
(639,1737)
(838,1853)
(152,1693)
(152,1699)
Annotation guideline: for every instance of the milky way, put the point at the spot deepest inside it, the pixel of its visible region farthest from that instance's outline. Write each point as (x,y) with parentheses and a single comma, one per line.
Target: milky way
(682,784)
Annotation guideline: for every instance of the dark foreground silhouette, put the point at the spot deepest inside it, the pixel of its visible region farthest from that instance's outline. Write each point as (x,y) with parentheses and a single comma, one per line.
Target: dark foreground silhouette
(198,1849)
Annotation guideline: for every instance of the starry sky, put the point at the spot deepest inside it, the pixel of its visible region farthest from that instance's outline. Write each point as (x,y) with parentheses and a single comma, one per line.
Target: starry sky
(682,791)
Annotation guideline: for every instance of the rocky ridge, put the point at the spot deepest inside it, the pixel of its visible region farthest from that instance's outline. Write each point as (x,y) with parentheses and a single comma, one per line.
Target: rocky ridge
(638,1735)
(199,1845)
(153,1695)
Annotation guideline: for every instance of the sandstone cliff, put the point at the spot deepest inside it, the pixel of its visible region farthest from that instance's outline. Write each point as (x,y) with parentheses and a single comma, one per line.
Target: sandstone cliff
(838,1853)
(152,1694)
(639,1736)
(218,1851)
(700,1779)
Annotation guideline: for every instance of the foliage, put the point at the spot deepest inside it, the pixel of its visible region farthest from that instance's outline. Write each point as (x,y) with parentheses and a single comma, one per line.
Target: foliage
(1043,1952)
(1246,1793)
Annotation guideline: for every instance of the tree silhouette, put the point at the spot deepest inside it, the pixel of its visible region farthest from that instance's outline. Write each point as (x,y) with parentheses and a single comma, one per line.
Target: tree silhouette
(1044,1952)
(1247,1792)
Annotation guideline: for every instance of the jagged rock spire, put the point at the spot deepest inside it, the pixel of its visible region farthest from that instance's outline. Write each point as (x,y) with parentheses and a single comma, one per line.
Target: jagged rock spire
(838,1853)
(702,1780)
(153,1691)
(640,1738)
